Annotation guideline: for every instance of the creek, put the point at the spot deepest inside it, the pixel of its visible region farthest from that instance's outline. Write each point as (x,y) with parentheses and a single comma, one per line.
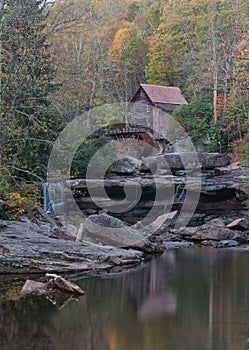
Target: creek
(193,298)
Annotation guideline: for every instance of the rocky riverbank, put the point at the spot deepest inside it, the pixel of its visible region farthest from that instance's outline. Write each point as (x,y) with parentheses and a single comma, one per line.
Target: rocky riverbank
(221,190)
(103,243)
(28,247)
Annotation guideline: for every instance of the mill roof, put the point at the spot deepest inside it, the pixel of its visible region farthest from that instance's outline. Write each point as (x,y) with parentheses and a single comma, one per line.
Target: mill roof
(162,94)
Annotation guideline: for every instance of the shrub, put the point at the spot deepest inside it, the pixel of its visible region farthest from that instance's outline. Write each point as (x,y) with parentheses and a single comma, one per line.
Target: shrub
(195,118)
(20,199)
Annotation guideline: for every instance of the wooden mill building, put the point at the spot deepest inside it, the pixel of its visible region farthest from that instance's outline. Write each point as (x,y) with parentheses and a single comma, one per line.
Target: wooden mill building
(151,105)
(148,115)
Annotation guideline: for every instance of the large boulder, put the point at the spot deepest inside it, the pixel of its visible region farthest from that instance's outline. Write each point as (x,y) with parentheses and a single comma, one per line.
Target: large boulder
(214,230)
(107,230)
(171,162)
(126,166)
(59,283)
(213,160)
(186,161)
(104,229)
(163,222)
(241,224)
(55,283)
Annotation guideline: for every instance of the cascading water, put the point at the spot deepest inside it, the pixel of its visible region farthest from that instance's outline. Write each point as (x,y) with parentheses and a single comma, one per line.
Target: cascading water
(53,198)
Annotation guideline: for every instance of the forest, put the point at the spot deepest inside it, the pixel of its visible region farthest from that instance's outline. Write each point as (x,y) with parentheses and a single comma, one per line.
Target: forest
(60,58)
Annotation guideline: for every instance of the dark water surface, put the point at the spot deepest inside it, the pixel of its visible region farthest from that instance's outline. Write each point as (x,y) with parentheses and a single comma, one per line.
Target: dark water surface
(189,299)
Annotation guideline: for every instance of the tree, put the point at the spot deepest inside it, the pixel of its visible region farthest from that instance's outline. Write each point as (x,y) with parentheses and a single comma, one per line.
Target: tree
(192,47)
(27,79)
(127,55)
(196,119)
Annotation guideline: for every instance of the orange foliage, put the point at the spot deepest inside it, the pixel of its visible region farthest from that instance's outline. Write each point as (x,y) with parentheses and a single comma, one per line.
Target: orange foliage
(221,105)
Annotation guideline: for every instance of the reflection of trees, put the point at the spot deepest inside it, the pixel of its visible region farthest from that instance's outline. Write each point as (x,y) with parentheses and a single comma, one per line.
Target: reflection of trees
(187,299)
(229,301)
(19,327)
(151,289)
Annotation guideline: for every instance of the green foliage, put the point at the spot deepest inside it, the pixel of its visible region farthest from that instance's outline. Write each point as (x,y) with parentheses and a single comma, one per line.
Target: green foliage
(27,80)
(47,80)
(195,118)
(16,265)
(246,149)
(132,12)
(4,186)
(87,150)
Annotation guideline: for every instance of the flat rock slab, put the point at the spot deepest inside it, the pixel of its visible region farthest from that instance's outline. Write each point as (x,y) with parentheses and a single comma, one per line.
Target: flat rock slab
(187,161)
(176,245)
(35,247)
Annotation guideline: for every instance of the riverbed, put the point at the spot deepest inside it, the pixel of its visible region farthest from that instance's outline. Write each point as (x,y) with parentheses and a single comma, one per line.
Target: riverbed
(193,298)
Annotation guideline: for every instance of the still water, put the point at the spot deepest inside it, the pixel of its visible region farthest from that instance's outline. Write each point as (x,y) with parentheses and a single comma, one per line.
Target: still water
(195,298)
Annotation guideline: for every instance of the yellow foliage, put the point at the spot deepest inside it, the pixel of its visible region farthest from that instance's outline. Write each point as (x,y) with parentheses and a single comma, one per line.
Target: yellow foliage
(116,47)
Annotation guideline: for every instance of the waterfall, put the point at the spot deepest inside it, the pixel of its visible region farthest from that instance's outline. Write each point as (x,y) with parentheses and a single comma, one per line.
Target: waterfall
(53,198)
(180,192)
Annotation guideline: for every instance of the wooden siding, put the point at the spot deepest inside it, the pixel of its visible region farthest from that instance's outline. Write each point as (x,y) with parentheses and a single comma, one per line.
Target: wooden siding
(169,107)
(141,115)
(141,96)
(160,122)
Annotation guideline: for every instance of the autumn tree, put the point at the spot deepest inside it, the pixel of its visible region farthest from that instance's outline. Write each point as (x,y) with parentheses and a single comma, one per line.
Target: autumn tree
(193,45)
(90,70)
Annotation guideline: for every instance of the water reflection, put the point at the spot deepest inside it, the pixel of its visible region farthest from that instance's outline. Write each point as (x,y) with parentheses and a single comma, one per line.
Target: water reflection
(186,299)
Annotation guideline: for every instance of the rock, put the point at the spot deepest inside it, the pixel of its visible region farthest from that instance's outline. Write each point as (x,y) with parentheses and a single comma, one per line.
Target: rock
(241,237)
(239,224)
(215,233)
(126,166)
(57,296)
(168,162)
(241,190)
(170,236)
(217,222)
(38,249)
(61,299)
(179,161)
(176,245)
(90,211)
(117,261)
(107,230)
(58,282)
(187,231)
(227,169)
(213,160)
(33,287)
(225,244)
(3,224)
(148,247)
(61,233)
(162,222)
(213,230)
(55,283)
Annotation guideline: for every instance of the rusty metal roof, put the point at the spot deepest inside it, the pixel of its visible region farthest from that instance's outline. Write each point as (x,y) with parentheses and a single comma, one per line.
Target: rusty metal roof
(164,94)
